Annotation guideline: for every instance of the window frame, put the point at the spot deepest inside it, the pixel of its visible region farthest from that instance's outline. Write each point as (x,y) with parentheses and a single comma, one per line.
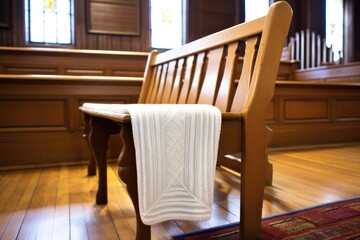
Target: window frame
(183,26)
(27,19)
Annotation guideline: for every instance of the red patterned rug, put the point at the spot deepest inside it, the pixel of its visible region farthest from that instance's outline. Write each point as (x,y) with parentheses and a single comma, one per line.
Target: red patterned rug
(339,220)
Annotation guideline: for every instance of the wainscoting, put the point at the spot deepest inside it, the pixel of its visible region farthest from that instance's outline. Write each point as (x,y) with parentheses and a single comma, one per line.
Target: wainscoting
(306,113)
(40,122)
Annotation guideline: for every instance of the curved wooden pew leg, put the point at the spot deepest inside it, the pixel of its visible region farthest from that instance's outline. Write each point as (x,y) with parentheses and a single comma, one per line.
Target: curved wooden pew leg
(127,173)
(101,129)
(86,135)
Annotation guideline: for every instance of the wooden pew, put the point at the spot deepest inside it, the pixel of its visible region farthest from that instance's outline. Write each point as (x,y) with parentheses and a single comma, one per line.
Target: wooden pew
(202,72)
(58,80)
(40,123)
(74,62)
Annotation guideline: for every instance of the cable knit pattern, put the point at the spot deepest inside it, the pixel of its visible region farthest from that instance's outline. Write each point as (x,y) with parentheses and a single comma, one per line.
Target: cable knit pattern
(176,151)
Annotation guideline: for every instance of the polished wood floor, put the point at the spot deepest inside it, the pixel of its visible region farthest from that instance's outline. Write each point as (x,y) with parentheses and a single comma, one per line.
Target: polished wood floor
(58,203)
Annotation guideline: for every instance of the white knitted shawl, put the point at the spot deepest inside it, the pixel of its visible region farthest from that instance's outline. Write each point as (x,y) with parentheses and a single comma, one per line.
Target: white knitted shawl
(176,151)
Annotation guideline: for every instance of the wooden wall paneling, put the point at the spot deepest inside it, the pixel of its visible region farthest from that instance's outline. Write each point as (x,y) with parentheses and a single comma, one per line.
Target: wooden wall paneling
(4,13)
(28,112)
(315,113)
(335,73)
(71,62)
(347,109)
(18,30)
(352,32)
(6,24)
(304,110)
(272,112)
(208,16)
(113,16)
(39,118)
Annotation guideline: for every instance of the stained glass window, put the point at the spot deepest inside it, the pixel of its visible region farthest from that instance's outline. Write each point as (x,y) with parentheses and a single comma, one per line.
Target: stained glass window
(335,27)
(166,23)
(49,21)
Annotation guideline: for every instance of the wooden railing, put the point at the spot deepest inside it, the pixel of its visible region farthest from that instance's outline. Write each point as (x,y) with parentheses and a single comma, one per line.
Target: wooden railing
(309,49)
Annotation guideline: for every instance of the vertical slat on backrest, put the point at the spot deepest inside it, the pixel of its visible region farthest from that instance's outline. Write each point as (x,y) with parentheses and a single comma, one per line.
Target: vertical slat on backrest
(161,83)
(212,76)
(226,85)
(156,83)
(177,82)
(149,75)
(189,68)
(152,86)
(197,79)
(245,79)
(169,81)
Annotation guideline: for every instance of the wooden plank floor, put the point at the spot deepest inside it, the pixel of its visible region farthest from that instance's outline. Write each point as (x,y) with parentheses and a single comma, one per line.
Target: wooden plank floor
(58,203)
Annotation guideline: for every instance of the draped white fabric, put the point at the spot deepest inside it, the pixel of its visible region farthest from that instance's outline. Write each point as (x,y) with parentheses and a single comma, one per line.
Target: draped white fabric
(176,151)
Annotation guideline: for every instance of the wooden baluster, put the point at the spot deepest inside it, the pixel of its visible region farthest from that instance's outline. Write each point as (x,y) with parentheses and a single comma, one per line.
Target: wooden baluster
(127,173)
(313,53)
(302,51)
(324,52)
(331,54)
(318,55)
(307,46)
(292,49)
(297,41)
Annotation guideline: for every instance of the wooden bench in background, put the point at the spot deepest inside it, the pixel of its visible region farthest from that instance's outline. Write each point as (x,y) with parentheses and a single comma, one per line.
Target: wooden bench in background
(40,92)
(203,72)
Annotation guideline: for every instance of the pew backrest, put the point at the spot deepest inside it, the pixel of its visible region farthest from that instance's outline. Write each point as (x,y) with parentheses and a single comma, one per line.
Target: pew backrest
(203,71)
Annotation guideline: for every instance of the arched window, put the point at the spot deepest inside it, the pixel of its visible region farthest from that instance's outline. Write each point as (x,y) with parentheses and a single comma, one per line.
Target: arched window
(49,21)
